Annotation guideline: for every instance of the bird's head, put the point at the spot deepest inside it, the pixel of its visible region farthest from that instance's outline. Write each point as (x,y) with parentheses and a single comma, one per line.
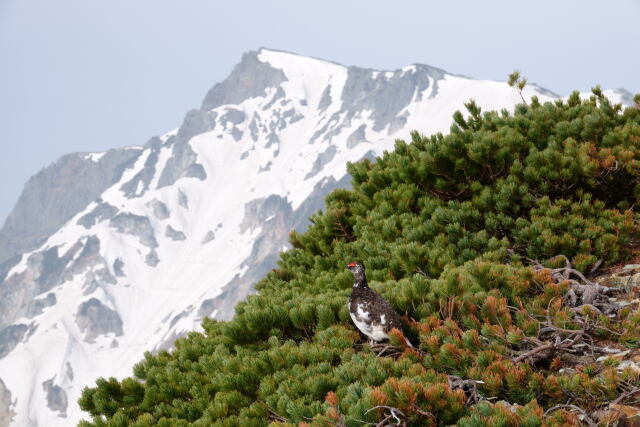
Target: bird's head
(359,278)
(356,267)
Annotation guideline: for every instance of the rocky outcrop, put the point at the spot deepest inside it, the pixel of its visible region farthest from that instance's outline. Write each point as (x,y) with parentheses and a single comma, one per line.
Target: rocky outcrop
(101,212)
(94,319)
(139,184)
(160,210)
(118,266)
(152,258)
(10,336)
(183,200)
(22,293)
(249,79)
(174,234)
(6,413)
(357,136)
(183,161)
(135,225)
(386,94)
(39,304)
(322,159)
(55,194)
(208,237)
(45,270)
(56,397)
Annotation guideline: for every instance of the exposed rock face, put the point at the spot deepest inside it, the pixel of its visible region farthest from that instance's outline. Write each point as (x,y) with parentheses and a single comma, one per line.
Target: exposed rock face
(139,184)
(627,278)
(385,95)
(209,237)
(39,304)
(46,269)
(357,137)
(10,336)
(623,95)
(183,200)
(56,397)
(118,266)
(101,212)
(183,161)
(174,234)
(6,413)
(6,266)
(322,159)
(250,78)
(135,225)
(160,210)
(95,318)
(55,194)
(69,372)
(152,258)
(325,100)
(233,116)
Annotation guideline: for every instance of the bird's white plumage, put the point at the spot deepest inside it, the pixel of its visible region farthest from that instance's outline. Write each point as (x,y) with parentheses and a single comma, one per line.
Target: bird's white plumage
(362,313)
(375,331)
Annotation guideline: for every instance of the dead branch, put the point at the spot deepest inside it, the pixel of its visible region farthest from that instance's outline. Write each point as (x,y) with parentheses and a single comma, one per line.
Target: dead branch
(394,414)
(274,416)
(587,418)
(535,351)
(584,298)
(629,393)
(467,386)
(429,415)
(595,267)
(386,350)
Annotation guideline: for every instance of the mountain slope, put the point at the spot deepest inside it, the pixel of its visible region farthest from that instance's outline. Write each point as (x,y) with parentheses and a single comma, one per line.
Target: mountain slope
(52,196)
(201,214)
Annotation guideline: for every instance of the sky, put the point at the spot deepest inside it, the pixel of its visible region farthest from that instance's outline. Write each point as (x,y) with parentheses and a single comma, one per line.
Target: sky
(89,75)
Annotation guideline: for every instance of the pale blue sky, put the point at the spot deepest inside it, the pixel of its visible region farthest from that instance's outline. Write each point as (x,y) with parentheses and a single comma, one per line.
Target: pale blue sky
(88,75)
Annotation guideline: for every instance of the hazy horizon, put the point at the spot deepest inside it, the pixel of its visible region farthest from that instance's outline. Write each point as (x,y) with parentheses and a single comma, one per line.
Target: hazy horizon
(85,76)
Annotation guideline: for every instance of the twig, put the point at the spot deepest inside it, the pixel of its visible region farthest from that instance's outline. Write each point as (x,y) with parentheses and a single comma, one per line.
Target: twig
(275,416)
(424,413)
(536,350)
(467,386)
(595,267)
(587,418)
(625,395)
(394,413)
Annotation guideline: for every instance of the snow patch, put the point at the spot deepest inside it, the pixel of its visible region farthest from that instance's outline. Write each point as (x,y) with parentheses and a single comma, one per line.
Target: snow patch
(95,157)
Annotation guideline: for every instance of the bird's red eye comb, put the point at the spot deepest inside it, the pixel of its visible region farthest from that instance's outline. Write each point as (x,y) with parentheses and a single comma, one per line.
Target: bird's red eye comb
(352,264)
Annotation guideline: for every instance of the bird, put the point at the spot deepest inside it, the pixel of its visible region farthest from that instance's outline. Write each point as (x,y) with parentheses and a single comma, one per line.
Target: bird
(370,312)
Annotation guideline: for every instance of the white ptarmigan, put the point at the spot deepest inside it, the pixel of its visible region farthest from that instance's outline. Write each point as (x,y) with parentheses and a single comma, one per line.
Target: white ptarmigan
(370,312)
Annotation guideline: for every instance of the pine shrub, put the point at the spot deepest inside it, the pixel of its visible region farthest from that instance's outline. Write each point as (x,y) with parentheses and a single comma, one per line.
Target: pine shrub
(445,226)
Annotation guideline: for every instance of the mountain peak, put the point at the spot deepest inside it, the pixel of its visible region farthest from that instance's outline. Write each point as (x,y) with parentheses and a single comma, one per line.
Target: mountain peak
(278,55)
(249,78)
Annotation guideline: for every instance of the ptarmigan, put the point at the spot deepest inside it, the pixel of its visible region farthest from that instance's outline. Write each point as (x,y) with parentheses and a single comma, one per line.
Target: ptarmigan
(370,312)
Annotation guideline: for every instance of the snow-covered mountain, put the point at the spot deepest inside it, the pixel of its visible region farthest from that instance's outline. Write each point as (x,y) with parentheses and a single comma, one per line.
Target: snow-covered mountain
(108,255)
